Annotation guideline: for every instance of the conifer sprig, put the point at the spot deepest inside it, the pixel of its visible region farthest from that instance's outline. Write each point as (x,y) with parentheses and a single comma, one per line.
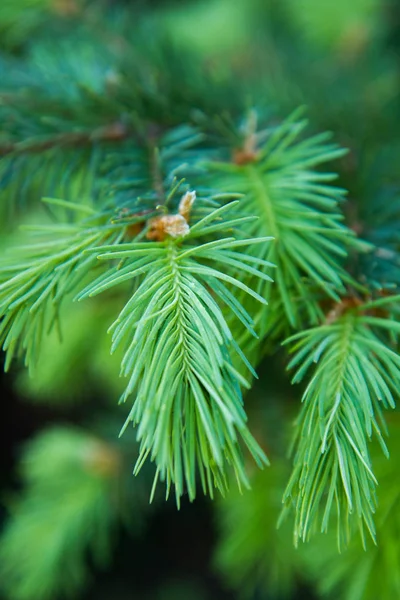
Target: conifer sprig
(356,375)
(356,574)
(178,348)
(299,207)
(37,277)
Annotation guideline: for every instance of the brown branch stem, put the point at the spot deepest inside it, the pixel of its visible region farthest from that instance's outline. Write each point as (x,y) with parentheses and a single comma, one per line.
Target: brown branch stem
(110,133)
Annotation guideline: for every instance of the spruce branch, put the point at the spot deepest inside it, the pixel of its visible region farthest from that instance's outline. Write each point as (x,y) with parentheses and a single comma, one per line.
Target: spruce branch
(68,164)
(355,574)
(114,132)
(178,348)
(299,207)
(356,374)
(37,277)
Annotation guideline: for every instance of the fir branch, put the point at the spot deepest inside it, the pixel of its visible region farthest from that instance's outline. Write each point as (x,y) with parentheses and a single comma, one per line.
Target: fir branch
(67,164)
(298,206)
(109,133)
(142,173)
(113,165)
(37,277)
(355,574)
(178,350)
(356,375)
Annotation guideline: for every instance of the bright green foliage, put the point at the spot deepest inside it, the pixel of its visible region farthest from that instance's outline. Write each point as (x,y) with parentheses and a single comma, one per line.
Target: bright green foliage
(109,119)
(254,556)
(178,348)
(299,207)
(354,377)
(69,506)
(172,329)
(39,276)
(356,574)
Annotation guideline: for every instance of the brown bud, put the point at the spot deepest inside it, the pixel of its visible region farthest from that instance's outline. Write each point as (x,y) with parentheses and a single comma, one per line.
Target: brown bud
(248,153)
(173,225)
(340,308)
(185,205)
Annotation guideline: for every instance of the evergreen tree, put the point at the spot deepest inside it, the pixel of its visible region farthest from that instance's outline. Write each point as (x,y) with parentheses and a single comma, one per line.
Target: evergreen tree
(199,204)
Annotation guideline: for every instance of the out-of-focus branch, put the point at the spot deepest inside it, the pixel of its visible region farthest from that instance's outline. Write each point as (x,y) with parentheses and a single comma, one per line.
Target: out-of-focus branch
(110,133)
